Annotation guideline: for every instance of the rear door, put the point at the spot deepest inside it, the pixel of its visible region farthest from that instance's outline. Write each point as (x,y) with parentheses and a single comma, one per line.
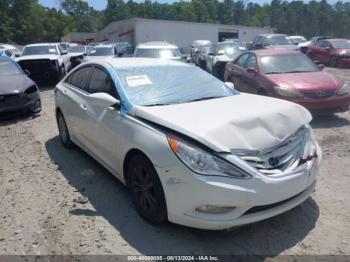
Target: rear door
(324,53)
(317,51)
(103,123)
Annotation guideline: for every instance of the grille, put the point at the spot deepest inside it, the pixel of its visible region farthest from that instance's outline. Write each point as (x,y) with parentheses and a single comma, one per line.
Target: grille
(35,66)
(282,158)
(320,94)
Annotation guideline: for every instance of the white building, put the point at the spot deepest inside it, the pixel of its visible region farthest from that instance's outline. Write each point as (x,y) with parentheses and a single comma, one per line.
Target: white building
(137,30)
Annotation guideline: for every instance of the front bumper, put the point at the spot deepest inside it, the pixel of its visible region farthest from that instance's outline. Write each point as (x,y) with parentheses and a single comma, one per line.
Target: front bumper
(20,102)
(333,104)
(41,69)
(255,199)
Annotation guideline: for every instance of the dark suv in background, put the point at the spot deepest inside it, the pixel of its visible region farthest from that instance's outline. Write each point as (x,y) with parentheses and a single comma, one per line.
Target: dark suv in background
(273,41)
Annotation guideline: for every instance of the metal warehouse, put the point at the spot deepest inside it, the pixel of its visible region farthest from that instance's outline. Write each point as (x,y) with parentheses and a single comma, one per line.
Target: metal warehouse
(137,30)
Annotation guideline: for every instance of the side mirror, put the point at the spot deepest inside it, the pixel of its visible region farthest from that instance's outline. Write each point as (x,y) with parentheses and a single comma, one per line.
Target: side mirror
(26,72)
(17,55)
(230,85)
(64,52)
(252,71)
(104,100)
(211,54)
(321,66)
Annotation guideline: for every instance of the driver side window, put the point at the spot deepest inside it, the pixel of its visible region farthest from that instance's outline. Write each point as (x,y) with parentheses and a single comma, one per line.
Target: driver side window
(251,62)
(101,82)
(242,60)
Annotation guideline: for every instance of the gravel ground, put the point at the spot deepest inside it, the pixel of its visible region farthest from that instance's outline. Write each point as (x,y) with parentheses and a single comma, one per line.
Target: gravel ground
(42,212)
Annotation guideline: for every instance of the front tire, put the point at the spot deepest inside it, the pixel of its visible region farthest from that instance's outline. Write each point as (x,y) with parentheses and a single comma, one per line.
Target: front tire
(146,190)
(63,131)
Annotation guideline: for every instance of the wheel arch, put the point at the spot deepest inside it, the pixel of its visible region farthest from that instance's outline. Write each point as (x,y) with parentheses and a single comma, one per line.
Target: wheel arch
(129,155)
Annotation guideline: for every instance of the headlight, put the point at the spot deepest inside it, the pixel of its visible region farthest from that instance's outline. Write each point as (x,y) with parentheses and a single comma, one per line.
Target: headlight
(309,150)
(287,92)
(345,89)
(202,162)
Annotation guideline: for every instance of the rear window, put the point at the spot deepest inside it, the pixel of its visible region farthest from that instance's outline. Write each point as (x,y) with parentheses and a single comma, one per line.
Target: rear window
(101,51)
(157,52)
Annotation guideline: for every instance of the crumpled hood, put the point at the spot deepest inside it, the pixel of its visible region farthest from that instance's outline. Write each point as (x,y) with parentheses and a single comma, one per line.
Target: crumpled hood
(76,54)
(305,44)
(37,57)
(14,84)
(243,121)
(279,47)
(307,81)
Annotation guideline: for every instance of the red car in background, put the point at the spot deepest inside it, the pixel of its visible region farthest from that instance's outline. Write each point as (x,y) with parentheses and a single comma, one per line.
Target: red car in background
(289,75)
(335,52)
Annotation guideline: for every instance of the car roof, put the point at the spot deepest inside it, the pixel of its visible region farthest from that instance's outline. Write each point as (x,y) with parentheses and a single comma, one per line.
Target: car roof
(103,46)
(7,46)
(157,44)
(42,44)
(336,39)
(265,52)
(296,36)
(118,63)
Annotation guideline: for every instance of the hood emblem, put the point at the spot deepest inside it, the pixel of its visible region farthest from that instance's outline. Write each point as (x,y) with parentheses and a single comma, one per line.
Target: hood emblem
(274,161)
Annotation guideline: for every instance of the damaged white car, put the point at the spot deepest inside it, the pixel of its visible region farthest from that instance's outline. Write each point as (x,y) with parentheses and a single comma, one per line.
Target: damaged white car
(190,148)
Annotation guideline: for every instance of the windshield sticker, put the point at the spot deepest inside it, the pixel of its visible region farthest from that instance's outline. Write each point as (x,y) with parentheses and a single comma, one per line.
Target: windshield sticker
(52,50)
(139,80)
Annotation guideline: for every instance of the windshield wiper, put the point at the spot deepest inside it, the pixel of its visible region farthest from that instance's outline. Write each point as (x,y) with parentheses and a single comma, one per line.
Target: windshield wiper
(159,104)
(268,73)
(203,98)
(298,71)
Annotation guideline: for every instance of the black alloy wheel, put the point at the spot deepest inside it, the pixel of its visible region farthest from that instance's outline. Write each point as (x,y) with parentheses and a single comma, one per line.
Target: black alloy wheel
(146,190)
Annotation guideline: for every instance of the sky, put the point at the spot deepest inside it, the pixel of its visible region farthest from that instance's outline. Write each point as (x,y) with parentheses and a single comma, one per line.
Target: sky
(101,4)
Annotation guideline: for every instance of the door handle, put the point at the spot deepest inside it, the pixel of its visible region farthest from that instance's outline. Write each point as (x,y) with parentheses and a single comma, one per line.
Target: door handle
(83,107)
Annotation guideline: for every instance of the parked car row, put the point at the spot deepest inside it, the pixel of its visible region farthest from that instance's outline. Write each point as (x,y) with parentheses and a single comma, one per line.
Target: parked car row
(213,57)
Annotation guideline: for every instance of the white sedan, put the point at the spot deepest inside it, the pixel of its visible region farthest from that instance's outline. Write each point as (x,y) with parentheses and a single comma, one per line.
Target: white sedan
(190,148)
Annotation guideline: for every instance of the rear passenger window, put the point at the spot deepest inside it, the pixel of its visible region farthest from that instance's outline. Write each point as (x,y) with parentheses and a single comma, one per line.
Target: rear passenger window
(79,78)
(100,82)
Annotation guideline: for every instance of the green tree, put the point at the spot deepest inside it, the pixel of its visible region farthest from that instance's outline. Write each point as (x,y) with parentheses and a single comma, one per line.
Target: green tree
(116,10)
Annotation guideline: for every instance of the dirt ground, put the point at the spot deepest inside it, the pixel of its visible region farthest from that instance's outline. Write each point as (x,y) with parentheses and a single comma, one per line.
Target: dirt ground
(40,183)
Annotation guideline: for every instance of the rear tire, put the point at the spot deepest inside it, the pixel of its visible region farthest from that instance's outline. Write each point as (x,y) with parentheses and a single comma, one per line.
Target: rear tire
(146,190)
(63,131)
(333,62)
